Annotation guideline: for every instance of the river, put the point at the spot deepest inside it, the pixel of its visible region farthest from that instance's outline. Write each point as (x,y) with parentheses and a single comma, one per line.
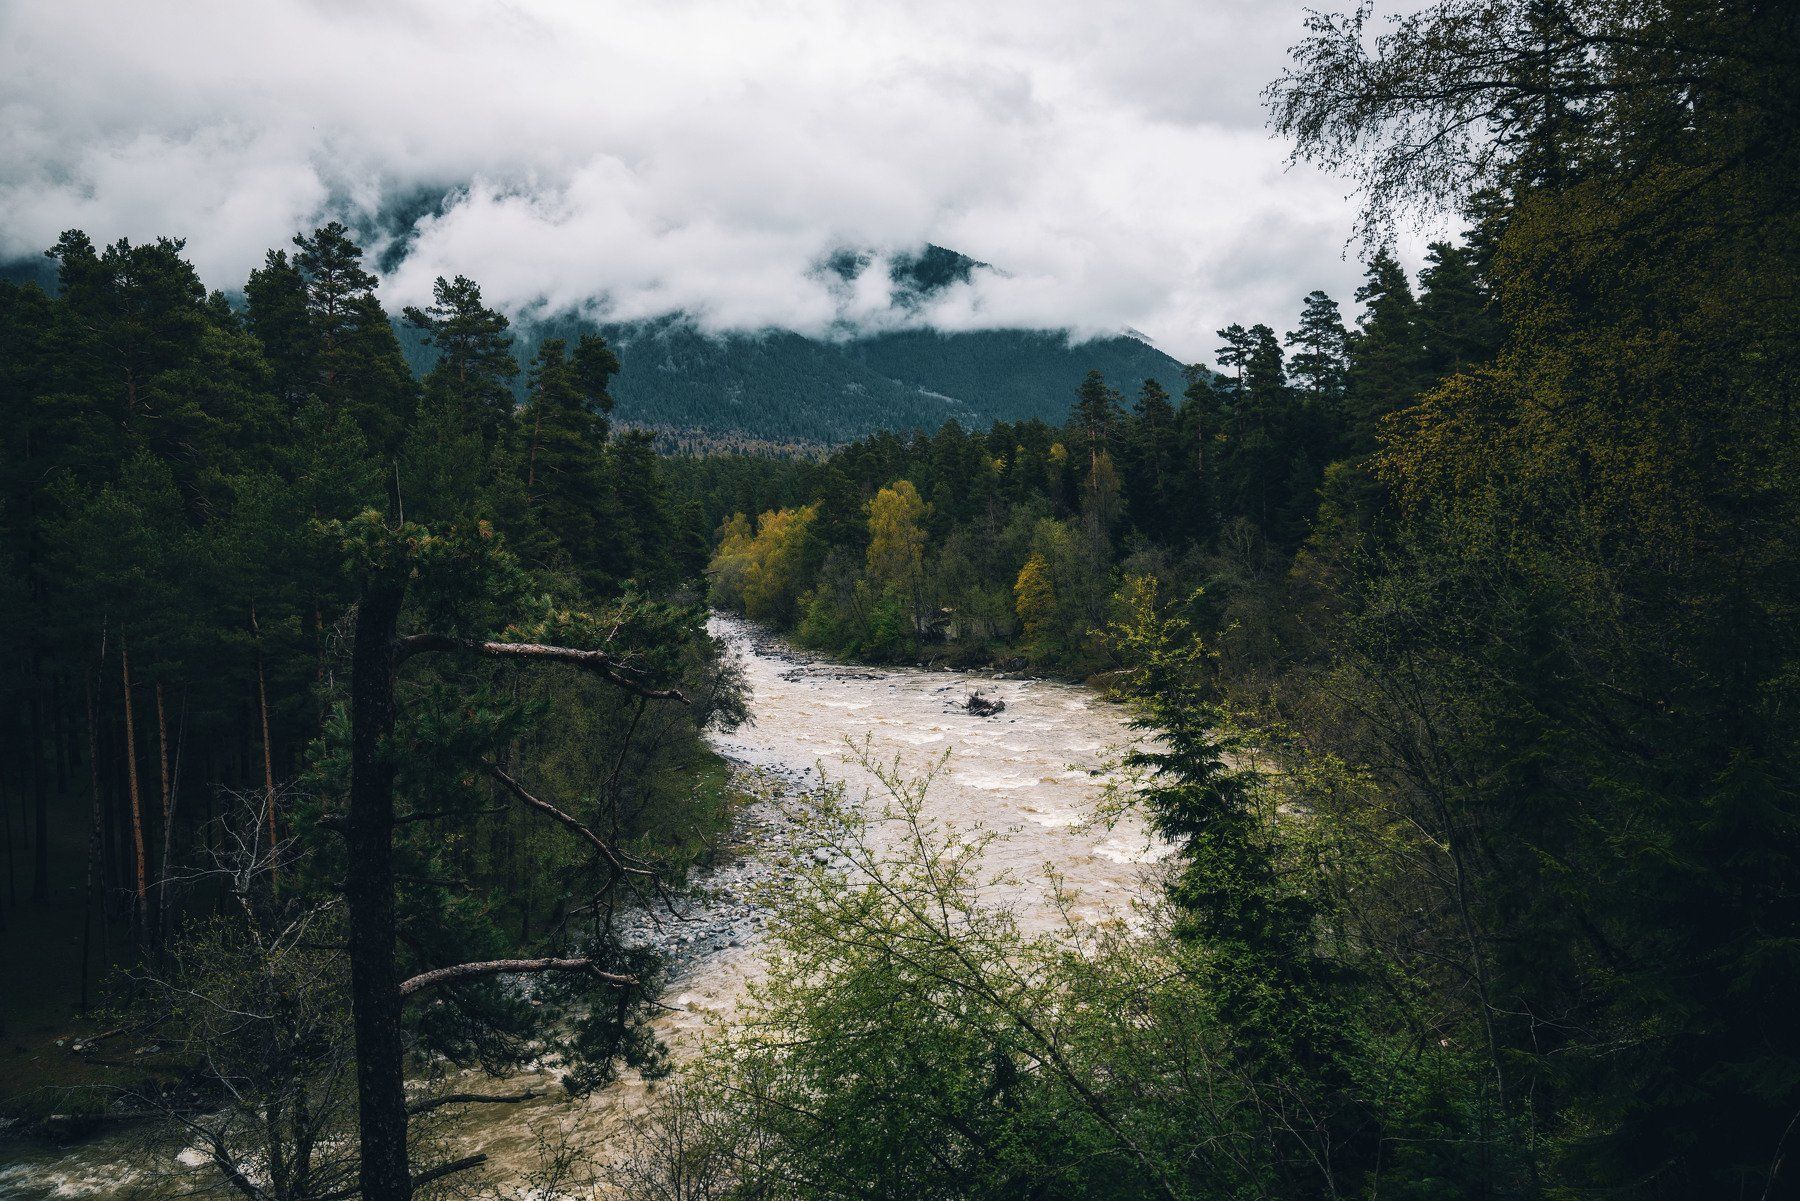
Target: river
(1031,777)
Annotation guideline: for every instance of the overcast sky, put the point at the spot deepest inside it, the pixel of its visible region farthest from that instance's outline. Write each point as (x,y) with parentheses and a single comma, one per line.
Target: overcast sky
(695,155)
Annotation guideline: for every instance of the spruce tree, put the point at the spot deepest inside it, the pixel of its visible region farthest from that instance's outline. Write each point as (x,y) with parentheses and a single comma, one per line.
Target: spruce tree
(1320,354)
(563,436)
(1096,411)
(276,302)
(1457,330)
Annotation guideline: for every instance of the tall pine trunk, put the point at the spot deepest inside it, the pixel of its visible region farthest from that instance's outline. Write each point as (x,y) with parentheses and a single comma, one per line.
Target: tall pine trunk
(369,894)
(537,425)
(137,807)
(262,707)
(96,877)
(40,790)
(168,814)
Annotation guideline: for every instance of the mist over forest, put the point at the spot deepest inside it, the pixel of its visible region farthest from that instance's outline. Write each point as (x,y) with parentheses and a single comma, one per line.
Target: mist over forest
(882,603)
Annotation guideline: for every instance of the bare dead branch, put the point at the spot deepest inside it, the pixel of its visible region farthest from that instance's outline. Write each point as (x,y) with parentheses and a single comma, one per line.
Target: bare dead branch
(545,807)
(505,967)
(598,662)
(431,1103)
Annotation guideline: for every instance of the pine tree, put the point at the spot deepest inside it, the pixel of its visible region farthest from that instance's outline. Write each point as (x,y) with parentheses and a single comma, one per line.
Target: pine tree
(276,303)
(1234,355)
(1150,458)
(475,366)
(1320,357)
(355,360)
(1096,412)
(1455,325)
(564,433)
(1387,367)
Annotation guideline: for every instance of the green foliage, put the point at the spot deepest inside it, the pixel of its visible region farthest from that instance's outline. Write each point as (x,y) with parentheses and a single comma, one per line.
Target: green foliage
(909,1040)
(192,501)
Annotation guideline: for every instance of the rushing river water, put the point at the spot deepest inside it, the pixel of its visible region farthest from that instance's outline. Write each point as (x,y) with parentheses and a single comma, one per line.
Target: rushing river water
(1031,777)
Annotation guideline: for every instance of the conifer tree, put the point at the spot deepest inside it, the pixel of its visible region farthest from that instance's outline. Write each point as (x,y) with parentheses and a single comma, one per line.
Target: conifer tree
(1096,412)
(1320,353)
(563,461)
(276,303)
(1150,458)
(1234,355)
(1387,370)
(475,366)
(1456,328)
(355,360)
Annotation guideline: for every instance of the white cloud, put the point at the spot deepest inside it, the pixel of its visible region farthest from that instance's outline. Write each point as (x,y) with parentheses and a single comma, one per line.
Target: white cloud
(637,157)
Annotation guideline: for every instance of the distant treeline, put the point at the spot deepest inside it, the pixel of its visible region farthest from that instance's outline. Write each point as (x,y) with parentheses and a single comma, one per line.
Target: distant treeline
(1012,541)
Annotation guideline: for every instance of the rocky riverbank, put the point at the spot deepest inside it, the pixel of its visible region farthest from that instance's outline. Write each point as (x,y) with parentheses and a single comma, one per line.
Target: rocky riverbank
(720,910)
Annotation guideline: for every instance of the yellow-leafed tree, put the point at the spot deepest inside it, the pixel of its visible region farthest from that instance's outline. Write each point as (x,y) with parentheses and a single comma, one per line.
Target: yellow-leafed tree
(896,556)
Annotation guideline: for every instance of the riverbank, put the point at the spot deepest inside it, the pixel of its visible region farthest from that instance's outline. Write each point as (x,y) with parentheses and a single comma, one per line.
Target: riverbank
(1031,777)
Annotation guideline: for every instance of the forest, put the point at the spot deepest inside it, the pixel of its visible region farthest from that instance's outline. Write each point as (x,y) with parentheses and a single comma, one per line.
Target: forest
(1017,544)
(1470,633)
(206,507)
(347,706)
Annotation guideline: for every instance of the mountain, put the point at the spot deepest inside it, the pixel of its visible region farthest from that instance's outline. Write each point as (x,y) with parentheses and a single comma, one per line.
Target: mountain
(783,389)
(776,387)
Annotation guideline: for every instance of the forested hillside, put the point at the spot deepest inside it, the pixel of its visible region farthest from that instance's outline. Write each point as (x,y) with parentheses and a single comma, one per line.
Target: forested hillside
(792,392)
(785,388)
(1470,635)
(304,653)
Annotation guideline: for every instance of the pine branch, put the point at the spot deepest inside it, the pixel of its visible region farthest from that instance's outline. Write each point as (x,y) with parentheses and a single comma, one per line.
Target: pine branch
(545,807)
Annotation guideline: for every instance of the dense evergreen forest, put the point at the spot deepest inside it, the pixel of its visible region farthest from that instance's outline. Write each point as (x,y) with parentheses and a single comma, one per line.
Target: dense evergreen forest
(208,516)
(346,707)
(1470,632)
(1018,543)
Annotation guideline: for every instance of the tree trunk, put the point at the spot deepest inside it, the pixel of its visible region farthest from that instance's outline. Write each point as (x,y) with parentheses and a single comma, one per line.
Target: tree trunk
(40,787)
(131,770)
(537,424)
(262,706)
(162,754)
(169,782)
(369,895)
(94,851)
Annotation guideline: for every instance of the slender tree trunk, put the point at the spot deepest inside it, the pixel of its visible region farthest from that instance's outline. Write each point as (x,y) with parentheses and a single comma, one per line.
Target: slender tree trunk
(262,707)
(95,841)
(369,895)
(140,872)
(537,424)
(169,779)
(59,737)
(12,892)
(40,787)
(162,752)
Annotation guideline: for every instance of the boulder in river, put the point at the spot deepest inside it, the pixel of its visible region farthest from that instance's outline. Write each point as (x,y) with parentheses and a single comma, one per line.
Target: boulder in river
(983,706)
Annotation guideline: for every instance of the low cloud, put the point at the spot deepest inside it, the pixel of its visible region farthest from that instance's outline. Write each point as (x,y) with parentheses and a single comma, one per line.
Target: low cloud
(696,156)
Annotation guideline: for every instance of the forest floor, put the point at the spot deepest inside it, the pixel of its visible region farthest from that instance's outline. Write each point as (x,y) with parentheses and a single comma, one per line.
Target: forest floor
(40,990)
